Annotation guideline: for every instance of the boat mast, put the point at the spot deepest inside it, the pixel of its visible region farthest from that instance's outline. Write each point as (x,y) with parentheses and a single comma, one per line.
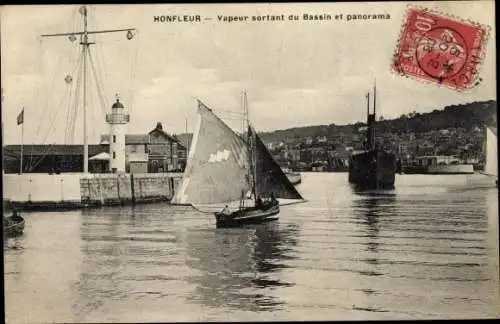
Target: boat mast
(85,46)
(368,129)
(1,104)
(84,41)
(374,112)
(251,147)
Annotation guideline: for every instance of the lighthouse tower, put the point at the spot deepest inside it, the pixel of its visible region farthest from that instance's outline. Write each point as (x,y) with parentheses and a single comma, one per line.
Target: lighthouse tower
(118,120)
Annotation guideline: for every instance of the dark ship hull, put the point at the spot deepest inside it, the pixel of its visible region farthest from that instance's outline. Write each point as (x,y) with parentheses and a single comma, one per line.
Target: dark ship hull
(414,169)
(372,170)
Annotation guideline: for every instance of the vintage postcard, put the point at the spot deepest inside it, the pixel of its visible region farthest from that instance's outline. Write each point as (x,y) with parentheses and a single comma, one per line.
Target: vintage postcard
(249,162)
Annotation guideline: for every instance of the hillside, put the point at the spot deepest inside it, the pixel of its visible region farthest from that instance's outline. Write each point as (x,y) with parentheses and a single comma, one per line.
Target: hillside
(463,115)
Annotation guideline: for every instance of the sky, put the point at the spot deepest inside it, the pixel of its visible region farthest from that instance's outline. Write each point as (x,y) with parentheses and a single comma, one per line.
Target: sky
(295,73)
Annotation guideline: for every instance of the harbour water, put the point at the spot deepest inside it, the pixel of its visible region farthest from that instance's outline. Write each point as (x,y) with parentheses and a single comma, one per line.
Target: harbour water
(427,250)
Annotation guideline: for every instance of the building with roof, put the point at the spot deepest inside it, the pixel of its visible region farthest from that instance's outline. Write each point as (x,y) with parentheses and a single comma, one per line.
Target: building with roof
(156,151)
(52,158)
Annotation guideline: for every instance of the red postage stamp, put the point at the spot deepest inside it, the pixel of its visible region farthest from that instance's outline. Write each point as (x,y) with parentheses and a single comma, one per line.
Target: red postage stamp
(440,49)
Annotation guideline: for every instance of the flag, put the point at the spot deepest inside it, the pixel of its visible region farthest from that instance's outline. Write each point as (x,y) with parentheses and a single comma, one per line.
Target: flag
(20,117)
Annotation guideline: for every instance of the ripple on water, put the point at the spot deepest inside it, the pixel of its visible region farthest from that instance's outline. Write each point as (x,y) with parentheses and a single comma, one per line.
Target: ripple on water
(427,250)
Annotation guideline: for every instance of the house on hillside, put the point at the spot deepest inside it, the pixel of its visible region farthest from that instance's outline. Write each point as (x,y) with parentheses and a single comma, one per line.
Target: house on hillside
(321,140)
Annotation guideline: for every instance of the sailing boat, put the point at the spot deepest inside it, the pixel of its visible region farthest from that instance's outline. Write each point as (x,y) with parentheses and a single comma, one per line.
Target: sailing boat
(225,168)
(491,163)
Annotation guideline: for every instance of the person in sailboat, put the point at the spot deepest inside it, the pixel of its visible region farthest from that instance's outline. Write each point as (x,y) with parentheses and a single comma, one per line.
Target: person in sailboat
(249,177)
(259,203)
(269,202)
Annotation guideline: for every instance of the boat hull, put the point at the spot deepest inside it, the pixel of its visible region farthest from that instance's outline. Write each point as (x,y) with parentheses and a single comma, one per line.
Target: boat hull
(250,215)
(13,226)
(294,177)
(440,169)
(451,169)
(414,169)
(372,170)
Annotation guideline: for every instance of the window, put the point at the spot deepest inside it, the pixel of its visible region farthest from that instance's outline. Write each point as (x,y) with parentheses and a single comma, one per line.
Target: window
(114,138)
(114,155)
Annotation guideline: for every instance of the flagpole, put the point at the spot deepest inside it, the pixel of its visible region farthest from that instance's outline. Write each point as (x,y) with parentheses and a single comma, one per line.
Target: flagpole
(187,136)
(22,143)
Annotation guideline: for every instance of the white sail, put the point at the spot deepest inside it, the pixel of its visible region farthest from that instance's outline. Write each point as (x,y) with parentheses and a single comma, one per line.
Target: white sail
(217,166)
(491,165)
(217,170)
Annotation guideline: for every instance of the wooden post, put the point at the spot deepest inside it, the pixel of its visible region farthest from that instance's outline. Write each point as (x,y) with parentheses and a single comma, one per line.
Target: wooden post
(99,182)
(132,188)
(118,188)
(172,187)
(62,190)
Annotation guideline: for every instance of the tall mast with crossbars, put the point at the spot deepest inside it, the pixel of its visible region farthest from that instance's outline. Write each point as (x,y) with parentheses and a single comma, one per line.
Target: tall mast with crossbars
(84,41)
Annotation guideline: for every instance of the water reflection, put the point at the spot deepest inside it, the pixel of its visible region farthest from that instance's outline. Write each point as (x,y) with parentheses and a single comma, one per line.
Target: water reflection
(13,243)
(103,261)
(493,236)
(13,256)
(239,266)
(425,253)
(369,208)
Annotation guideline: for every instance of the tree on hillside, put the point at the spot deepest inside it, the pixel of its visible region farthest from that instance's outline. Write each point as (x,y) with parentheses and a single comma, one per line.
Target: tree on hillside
(464,116)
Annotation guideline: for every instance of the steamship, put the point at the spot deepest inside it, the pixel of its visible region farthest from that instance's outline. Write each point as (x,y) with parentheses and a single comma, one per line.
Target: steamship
(372,168)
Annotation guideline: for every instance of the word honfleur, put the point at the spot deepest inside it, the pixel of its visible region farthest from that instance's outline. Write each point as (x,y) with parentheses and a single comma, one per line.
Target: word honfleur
(265,18)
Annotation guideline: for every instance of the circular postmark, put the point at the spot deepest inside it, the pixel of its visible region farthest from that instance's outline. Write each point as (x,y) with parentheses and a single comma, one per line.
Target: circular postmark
(441,53)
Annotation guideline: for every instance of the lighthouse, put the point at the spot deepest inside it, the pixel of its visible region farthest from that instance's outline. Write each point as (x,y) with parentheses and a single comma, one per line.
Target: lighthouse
(118,121)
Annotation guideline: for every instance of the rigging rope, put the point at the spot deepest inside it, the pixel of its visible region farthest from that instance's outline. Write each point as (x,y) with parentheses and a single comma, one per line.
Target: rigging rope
(72,91)
(76,102)
(44,108)
(99,89)
(47,134)
(92,77)
(50,90)
(101,67)
(39,72)
(70,121)
(62,104)
(133,73)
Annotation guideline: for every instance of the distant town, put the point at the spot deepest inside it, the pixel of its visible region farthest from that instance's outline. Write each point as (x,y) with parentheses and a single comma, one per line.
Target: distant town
(456,130)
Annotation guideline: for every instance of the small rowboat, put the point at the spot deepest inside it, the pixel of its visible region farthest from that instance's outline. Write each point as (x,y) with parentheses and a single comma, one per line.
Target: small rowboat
(13,225)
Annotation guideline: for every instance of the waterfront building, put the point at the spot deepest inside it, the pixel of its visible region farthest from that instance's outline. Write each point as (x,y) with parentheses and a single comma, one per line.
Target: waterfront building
(51,158)
(152,152)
